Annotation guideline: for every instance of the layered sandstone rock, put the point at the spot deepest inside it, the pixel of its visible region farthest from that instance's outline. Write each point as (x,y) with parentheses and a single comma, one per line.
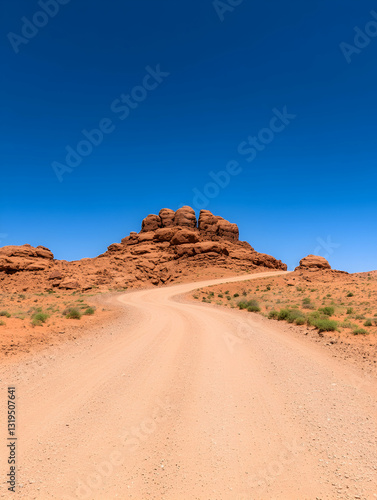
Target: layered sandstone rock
(25,257)
(313,262)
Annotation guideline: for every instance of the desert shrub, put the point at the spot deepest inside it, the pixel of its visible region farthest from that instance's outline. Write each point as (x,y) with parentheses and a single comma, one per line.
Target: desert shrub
(360,316)
(244,293)
(350,310)
(368,322)
(296,316)
(283,314)
(253,306)
(2,323)
(39,318)
(250,305)
(89,311)
(220,295)
(273,314)
(359,331)
(242,304)
(236,295)
(328,311)
(227,292)
(72,313)
(349,294)
(268,287)
(5,313)
(228,297)
(325,325)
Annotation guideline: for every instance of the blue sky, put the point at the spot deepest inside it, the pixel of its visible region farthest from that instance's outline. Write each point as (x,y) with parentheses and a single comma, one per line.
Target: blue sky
(219,74)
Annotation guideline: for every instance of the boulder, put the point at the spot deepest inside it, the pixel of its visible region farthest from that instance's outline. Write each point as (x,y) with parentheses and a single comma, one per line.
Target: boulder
(227,230)
(150,223)
(167,217)
(210,246)
(164,233)
(69,284)
(184,236)
(313,262)
(56,275)
(207,222)
(185,217)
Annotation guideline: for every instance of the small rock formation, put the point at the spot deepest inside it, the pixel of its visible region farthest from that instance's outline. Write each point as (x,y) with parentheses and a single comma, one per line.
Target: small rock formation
(167,217)
(185,217)
(14,259)
(151,223)
(314,263)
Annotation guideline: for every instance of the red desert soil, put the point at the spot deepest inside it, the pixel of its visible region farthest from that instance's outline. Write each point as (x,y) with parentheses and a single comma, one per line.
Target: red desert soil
(184,400)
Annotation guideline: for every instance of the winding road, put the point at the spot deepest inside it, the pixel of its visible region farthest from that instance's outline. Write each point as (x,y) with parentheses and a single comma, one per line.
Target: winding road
(179,400)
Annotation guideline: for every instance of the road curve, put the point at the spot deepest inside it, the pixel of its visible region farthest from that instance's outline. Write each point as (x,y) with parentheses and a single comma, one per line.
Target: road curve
(183,400)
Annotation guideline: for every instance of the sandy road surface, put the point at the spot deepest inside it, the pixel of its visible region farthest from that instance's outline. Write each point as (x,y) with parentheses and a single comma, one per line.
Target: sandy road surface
(189,401)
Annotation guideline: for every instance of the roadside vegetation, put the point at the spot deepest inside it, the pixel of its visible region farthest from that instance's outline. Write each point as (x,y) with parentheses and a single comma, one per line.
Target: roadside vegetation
(349,305)
(45,308)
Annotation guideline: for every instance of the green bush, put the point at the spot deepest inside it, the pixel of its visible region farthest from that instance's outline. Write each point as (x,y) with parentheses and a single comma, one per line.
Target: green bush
(2,323)
(349,294)
(220,295)
(359,331)
(250,305)
(39,318)
(253,306)
(273,314)
(325,325)
(5,313)
(242,304)
(296,315)
(89,311)
(236,295)
(368,322)
(283,314)
(328,311)
(307,304)
(72,313)
(350,310)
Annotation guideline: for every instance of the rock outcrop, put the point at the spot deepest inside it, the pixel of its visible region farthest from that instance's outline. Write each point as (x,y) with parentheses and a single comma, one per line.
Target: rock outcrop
(14,259)
(313,262)
(169,246)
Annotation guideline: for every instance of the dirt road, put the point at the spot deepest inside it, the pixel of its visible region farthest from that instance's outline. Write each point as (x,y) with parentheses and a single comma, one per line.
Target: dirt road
(188,401)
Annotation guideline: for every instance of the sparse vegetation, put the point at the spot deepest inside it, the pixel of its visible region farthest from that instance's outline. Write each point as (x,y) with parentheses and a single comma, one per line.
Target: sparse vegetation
(72,313)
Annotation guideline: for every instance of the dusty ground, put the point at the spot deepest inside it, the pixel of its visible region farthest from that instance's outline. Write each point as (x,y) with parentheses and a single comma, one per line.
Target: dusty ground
(180,400)
(19,336)
(353,297)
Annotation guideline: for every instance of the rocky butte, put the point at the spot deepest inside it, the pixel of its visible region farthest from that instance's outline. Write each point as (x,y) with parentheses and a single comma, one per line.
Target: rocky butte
(169,247)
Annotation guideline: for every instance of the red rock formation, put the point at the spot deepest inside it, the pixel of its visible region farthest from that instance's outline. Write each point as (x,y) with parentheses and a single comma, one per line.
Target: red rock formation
(313,262)
(185,217)
(170,245)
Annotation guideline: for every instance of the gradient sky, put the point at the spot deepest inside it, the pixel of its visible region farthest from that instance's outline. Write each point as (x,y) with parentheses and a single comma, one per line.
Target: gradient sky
(312,189)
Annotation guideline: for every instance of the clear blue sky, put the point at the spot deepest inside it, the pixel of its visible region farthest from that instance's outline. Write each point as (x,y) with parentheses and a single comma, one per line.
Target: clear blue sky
(225,70)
